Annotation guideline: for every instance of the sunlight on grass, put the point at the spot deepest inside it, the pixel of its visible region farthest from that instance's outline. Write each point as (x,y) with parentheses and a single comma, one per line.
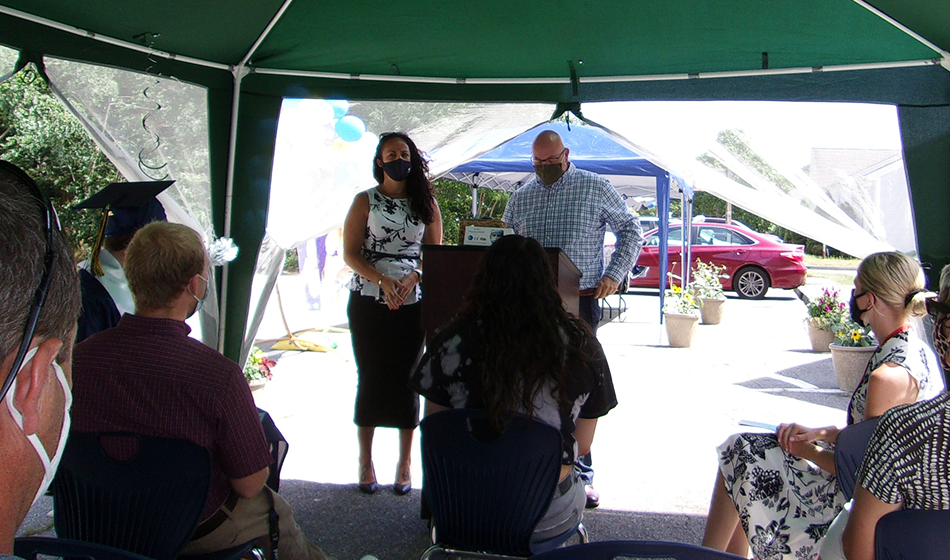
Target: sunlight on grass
(831,262)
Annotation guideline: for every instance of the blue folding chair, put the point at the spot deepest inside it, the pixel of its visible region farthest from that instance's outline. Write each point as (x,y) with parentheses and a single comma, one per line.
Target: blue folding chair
(487,491)
(850,447)
(608,550)
(149,503)
(30,547)
(913,534)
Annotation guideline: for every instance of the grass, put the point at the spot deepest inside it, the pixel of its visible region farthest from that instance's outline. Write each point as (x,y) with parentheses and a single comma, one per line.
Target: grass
(840,278)
(831,262)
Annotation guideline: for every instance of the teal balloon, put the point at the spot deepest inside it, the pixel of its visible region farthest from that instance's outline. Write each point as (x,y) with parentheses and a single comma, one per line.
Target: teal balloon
(350,128)
(340,107)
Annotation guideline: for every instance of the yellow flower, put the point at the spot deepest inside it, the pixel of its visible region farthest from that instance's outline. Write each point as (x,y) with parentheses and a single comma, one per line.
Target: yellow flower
(855,335)
(677,289)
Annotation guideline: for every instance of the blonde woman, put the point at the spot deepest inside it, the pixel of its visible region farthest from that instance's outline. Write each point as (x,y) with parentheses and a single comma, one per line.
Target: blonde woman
(777,492)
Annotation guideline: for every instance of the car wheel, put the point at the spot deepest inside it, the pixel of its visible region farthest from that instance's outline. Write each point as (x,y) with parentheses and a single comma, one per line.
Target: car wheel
(751,283)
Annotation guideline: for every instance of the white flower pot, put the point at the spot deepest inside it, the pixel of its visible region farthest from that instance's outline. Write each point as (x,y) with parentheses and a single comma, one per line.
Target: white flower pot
(680,329)
(711,310)
(850,363)
(820,339)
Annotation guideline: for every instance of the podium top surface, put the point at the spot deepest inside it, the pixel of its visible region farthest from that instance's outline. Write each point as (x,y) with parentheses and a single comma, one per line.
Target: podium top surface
(480,248)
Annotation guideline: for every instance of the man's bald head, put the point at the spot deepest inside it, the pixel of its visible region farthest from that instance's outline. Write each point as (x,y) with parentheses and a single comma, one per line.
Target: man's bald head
(549,156)
(547,146)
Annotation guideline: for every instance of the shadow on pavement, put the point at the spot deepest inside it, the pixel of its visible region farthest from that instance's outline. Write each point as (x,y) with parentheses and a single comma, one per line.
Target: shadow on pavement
(348,525)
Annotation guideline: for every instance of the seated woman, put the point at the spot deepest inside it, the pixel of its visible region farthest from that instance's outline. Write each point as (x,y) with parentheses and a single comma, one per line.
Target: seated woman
(779,492)
(939,309)
(897,471)
(905,467)
(514,348)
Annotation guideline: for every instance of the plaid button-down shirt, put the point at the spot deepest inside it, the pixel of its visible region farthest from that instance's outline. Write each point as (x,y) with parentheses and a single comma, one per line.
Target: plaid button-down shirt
(572,215)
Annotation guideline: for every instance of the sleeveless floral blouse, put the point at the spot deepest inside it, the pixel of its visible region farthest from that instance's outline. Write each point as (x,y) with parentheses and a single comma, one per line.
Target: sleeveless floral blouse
(393,243)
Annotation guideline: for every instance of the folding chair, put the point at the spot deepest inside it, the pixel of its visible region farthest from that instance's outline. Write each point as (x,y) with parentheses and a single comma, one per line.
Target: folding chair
(487,491)
(850,447)
(608,550)
(29,547)
(149,504)
(913,534)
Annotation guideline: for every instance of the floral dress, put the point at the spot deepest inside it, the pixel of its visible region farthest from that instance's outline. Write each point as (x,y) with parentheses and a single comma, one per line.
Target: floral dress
(785,503)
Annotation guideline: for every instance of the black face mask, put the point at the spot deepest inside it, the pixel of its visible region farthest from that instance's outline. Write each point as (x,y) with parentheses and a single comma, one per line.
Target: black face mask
(549,173)
(856,311)
(397,169)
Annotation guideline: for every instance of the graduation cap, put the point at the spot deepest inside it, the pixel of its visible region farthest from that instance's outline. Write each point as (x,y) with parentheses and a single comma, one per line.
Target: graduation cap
(126,208)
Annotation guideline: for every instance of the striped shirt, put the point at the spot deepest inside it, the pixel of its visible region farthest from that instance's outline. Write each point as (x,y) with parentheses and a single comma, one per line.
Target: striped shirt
(573,215)
(908,458)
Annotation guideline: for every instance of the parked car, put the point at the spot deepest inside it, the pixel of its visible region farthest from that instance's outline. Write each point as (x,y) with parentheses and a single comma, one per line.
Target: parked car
(754,261)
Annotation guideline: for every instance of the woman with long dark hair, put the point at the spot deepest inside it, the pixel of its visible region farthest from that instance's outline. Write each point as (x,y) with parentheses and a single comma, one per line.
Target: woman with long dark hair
(514,349)
(382,242)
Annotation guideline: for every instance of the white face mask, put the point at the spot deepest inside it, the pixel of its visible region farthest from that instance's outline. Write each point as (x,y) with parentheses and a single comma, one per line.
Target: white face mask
(49,465)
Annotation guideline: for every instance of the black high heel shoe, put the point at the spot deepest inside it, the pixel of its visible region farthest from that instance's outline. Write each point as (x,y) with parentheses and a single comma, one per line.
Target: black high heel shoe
(401,489)
(368,487)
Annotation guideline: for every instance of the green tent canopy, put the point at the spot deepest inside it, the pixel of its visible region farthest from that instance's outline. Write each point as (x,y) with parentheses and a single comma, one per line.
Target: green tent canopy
(248,55)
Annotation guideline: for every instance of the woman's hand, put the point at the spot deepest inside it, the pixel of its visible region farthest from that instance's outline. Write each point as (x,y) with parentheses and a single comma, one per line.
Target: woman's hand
(797,439)
(390,288)
(395,291)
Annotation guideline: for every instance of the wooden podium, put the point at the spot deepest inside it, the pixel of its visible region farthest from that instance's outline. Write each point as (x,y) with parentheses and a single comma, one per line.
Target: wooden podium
(450,270)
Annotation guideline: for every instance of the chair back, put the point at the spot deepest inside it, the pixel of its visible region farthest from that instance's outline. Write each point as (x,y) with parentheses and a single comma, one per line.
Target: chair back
(850,447)
(488,494)
(608,550)
(913,534)
(148,504)
(29,548)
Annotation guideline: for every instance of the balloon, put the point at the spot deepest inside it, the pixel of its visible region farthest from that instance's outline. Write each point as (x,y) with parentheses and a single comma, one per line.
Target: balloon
(350,128)
(340,145)
(340,107)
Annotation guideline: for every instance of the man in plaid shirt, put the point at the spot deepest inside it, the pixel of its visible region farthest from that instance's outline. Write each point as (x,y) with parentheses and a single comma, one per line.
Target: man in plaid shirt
(569,208)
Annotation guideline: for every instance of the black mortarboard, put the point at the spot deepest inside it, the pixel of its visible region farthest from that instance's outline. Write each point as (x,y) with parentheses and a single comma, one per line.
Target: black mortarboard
(126,208)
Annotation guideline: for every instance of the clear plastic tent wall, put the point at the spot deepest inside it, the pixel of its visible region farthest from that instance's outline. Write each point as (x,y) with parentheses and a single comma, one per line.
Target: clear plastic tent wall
(832,172)
(324,157)
(151,128)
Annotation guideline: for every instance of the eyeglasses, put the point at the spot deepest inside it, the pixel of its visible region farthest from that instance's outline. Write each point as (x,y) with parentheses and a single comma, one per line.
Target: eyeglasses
(550,160)
(50,228)
(935,307)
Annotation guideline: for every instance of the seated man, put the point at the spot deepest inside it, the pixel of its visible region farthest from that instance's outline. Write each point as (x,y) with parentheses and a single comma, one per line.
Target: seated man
(34,357)
(146,375)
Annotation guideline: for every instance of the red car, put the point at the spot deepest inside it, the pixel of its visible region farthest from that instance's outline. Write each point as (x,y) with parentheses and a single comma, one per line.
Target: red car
(754,261)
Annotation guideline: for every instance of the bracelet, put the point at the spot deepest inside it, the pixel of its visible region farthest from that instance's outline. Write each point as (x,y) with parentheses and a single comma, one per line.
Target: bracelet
(380,281)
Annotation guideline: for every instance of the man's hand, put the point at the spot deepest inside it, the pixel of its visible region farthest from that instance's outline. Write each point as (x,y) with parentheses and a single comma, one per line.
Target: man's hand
(606,287)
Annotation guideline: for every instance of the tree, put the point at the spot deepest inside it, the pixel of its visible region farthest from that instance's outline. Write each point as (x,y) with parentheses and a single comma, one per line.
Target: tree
(41,137)
(455,203)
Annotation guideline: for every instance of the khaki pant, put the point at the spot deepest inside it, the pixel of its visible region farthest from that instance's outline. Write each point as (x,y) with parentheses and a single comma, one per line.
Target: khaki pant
(249,521)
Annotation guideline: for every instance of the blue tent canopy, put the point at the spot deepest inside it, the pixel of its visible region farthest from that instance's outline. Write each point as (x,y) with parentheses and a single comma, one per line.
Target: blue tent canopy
(592,148)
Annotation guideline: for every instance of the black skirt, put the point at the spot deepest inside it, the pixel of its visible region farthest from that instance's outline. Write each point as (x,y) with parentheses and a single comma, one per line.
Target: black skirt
(387,345)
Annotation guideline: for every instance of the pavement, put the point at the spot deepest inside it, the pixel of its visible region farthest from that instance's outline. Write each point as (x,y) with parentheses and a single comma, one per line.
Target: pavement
(654,455)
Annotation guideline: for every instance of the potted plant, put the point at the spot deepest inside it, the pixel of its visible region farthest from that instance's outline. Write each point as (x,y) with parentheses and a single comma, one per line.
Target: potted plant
(679,314)
(824,314)
(850,352)
(707,288)
(257,369)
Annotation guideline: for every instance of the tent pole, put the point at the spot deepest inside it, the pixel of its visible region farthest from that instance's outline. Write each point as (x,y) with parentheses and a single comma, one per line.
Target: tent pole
(474,202)
(239,72)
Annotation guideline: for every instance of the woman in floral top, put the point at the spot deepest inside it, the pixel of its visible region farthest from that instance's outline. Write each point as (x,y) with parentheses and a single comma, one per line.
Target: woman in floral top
(382,242)
(778,492)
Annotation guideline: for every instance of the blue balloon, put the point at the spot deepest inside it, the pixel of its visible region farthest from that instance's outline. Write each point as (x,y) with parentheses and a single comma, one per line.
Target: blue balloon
(350,128)
(340,107)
